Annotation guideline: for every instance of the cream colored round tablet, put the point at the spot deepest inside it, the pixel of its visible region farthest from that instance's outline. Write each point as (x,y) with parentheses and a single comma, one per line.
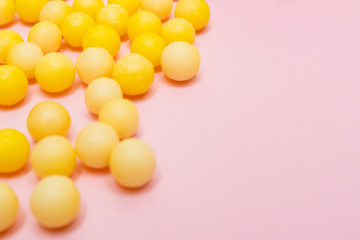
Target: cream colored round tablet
(55,12)
(47,35)
(162,8)
(9,207)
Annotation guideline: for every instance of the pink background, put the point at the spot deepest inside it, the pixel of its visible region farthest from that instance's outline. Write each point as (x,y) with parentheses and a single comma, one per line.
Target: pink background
(262,145)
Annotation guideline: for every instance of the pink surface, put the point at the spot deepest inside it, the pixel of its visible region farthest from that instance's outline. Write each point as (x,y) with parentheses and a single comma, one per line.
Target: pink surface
(261,145)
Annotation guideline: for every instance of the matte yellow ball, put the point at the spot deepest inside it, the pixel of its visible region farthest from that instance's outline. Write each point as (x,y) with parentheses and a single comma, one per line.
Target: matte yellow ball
(114,16)
(29,10)
(195,11)
(74,27)
(162,8)
(7,11)
(178,29)
(132,163)
(55,201)
(55,12)
(48,118)
(122,115)
(55,72)
(94,144)
(8,39)
(90,7)
(13,85)
(131,6)
(14,151)
(46,35)
(134,73)
(142,22)
(9,207)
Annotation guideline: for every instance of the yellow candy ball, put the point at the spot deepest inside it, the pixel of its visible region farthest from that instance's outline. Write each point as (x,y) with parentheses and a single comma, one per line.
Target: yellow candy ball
(195,11)
(162,8)
(134,73)
(150,46)
(99,92)
(90,7)
(178,29)
(25,56)
(93,63)
(102,36)
(55,12)
(142,22)
(46,35)
(13,85)
(55,72)
(48,118)
(180,61)
(8,39)
(94,144)
(122,115)
(9,207)
(55,201)
(75,26)
(132,163)
(29,10)
(131,6)
(114,16)
(7,11)
(14,151)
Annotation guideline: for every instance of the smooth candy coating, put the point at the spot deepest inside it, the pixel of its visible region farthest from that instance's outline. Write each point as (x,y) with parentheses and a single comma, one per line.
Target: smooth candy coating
(122,115)
(7,11)
(132,163)
(178,29)
(93,63)
(180,61)
(94,144)
(90,7)
(162,8)
(53,155)
(9,207)
(55,72)
(195,11)
(55,12)
(14,152)
(25,56)
(114,16)
(142,22)
(48,118)
(29,10)
(46,35)
(131,6)
(75,26)
(13,85)
(8,39)
(55,201)
(99,92)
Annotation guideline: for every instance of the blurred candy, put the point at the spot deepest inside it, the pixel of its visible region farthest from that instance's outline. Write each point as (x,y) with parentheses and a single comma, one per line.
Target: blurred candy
(29,10)
(195,11)
(55,12)
(162,8)
(178,29)
(90,7)
(13,85)
(131,6)
(114,16)
(7,11)
(9,207)
(75,26)
(8,39)
(46,35)
(143,22)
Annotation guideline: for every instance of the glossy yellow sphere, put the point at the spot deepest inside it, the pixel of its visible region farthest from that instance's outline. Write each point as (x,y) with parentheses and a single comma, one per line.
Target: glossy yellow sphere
(9,207)
(14,151)
(46,35)
(99,92)
(75,26)
(178,29)
(55,201)
(162,8)
(55,12)
(13,85)
(195,11)
(29,10)
(134,73)
(7,11)
(131,6)
(143,22)
(150,46)
(48,118)
(122,115)
(93,63)
(94,144)
(55,72)
(180,61)
(8,39)
(25,56)
(90,7)
(132,163)
(114,16)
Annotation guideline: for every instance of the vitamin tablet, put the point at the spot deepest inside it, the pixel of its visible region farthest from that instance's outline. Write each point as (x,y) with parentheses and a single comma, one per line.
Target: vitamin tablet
(114,16)
(55,201)
(9,207)
(7,11)
(195,11)
(142,22)
(75,26)
(94,144)
(46,35)
(29,10)
(90,7)
(132,163)
(131,6)
(13,85)
(8,39)
(178,29)
(55,12)
(162,8)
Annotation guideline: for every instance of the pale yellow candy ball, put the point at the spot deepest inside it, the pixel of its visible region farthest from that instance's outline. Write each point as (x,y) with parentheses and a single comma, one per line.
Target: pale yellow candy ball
(8,39)
(94,144)
(178,29)
(14,151)
(55,201)
(9,207)
(55,12)
(55,72)
(93,63)
(46,35)
(131,6)
(13,85)
(195,11)
(134,73)
(99,92)
(150,46)
(75,26)
(90,7)
(25,56)
(180,61)
(132,163)
(7,11)
(142,22)
(102,36)
(114,16)
(122,115)
(48,118)
(162,8)
(29,10)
